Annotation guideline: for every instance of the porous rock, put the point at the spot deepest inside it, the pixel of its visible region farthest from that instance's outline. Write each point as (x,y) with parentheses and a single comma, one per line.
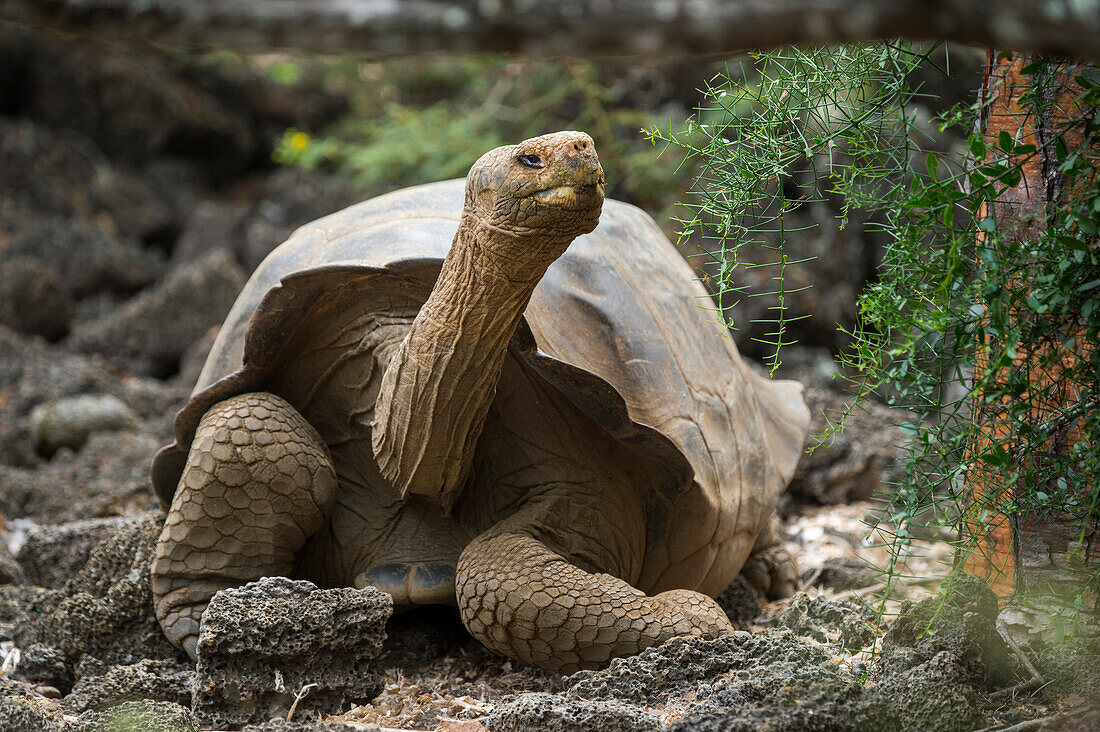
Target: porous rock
(262,643)
(108,477)
(52,555)
(69,422)
(33,372)
(34,299)
(139,716)
(553,713)
(776,658)
(46,665)
(22,713)
(842,573)
(85,259)
(740,602)
(854,464)
(10,571)
(100,685)
(829,621)
(914,693)
(151,331)
(963,623)
(299,725)
(106,611)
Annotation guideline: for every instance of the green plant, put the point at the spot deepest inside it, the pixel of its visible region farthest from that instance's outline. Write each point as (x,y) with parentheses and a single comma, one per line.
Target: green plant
(962,313)
(429,119)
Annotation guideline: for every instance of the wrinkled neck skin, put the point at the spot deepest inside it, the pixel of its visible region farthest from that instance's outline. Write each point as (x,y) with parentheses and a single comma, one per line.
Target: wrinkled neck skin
(438,385)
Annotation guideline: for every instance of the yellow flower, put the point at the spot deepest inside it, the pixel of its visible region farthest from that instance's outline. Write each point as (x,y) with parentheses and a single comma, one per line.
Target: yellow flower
(299,141)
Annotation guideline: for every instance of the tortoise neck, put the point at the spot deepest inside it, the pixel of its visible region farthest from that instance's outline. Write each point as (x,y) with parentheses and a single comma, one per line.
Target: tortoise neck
(442,377)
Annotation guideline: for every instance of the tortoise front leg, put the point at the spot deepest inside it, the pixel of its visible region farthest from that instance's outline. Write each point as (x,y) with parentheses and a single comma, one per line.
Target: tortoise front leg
(523,600)
(257,484)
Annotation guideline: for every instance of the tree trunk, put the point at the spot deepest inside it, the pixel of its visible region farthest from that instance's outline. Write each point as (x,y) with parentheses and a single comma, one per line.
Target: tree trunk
(1022,551)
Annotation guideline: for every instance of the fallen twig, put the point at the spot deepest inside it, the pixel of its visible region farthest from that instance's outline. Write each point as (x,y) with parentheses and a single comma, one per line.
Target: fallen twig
(1036,679)
(302,694)
(1027,726)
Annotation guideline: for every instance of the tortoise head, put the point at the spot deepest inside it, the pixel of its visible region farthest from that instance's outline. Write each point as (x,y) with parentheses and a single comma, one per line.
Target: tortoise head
(544,191)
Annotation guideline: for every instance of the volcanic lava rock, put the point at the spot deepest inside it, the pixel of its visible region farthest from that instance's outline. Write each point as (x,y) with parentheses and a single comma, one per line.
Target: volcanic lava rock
(33,298)
(151,331)
(100,686)
(261,644)
(146,716)
(963,623)
(52,555)
(553,713)
(106,611)
(829,621)
(740,602)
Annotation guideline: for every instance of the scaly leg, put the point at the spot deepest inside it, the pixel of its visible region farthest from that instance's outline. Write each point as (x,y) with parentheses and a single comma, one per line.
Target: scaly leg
(523,600)
(257,484)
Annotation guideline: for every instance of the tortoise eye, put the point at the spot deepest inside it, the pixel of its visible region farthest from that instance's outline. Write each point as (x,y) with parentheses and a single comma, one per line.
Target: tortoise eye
(532,161)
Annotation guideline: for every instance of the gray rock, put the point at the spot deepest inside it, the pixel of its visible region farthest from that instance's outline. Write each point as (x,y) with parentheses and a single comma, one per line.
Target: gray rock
(83,257)
(33,298)
(262,643)
(140,716)
(212,225)
(313,725)
(855,464)
(46,665)
(773,660)
(39,172)
(151,332)
(106,611)
(33,372)
(740,602)
(100,686)
(552,713)
(10,570)
(20,713)
(842,573)
(108,477)
(52,555)
(935,694)
(828,621)
(69,422)
(963,623)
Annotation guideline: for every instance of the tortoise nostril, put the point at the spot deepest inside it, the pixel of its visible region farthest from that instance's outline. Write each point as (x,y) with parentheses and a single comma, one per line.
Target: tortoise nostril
(580,145)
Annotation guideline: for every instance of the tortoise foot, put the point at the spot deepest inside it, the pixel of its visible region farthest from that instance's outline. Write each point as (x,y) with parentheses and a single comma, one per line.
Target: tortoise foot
(771,569)
(257,484)
(525,601)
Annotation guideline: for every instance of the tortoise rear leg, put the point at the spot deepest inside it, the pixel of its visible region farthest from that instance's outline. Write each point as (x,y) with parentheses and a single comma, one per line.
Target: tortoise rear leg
(523,600)
(771,569)
(257,484)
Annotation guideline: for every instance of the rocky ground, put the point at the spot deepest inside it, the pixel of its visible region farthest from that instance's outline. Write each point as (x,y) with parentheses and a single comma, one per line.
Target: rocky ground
(136,194)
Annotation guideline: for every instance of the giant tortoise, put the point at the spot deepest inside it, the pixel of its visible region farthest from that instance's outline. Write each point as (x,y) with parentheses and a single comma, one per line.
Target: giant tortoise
(482,398)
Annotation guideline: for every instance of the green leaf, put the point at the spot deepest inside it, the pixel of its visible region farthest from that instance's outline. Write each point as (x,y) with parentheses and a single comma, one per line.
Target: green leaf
(1089,78)
(998,457)
(988,225)
(977,147)
(1060,149)
(933,164)
(1004,141)
(1089,286)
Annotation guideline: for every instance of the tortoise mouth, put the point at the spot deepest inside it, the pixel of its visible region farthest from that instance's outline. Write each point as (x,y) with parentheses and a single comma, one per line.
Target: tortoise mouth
(571,195)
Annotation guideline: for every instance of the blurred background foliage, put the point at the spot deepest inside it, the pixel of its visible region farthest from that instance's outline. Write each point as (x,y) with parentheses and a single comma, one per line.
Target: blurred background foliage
(424,119)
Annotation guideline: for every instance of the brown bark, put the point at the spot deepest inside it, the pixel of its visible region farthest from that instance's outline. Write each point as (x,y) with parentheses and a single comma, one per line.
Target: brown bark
(1023,550)
(651,28)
